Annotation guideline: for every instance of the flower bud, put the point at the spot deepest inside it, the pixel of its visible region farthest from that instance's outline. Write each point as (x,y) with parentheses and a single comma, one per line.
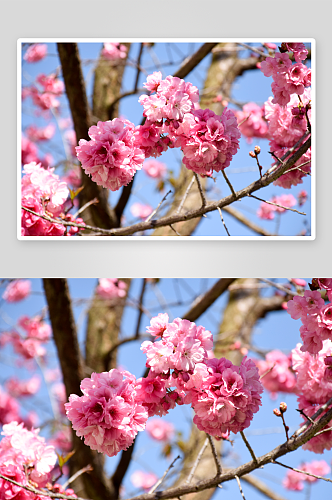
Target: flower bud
(277,412)
(257,150)
(252,154)
(283,407)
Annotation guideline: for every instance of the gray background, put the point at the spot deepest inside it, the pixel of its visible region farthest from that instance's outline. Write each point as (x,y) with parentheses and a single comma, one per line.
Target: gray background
(174,18)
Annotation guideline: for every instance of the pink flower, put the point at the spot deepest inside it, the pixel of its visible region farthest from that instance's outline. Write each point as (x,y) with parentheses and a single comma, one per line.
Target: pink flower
(9,408)
(40,134)
(144,480)
(293,480)
(111,288)
(17,290)
(153,81)
(228,398)
(114,51)
(51,84)
(140,210)
(107,415)
(158,325)
(155,169)
(19,388)
(280,378)
(160,429)
(35,52)
(35,328)
(111,157)
(299,282)
(251,122)
(316,467)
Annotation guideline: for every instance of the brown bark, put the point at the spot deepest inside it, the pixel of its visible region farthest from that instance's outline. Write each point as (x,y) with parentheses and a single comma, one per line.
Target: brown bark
(102,333)
(94,485)
(100,214)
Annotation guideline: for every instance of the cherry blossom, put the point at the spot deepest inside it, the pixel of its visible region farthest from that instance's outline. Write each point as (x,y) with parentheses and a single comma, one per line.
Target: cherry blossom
(111,288)
(35,52)
(17,290)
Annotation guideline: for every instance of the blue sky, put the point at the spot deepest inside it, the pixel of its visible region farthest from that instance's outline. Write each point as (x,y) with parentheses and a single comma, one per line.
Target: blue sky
(277,331)
(252,86)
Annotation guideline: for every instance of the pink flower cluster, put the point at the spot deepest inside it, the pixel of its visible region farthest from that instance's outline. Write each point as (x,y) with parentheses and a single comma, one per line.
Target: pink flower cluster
(144,480)
(208,141)
(314,389)
(9,408)
(295,480)
(140,210)
(114,51)
(18,388)
(224,397)
(17,290)
(155,169)
(287,124)
(316,318)
(26,450)
(160,429)
(46,194)
(111,288)
(30,154)
(30,346)
(108,414)
(267,211)
(112,156)
(41,190)
(276,373)
(36,134)
(288,78)
(35,52)
(26,458)
(227,396)
(252,122)
(115,406)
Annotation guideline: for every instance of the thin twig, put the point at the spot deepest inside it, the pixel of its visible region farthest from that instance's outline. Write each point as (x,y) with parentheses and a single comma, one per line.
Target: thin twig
(240,487)
(222,220)
(267,371)
(158,483)
(88,468)
(140,309)
(92,202)
(305,415)
(324,430)
(315,415)
(253,49)
(228,182)
(186,194)
(199,456)
(200,190)
(302,471)
(251,451)
(156,210)
(138,66)
(215,455)
(278,286)
(276,205)
(175,231)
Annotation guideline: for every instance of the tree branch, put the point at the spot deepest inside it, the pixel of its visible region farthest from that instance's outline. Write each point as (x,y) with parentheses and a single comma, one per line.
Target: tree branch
(99,214)
(291,445)
(203,302)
